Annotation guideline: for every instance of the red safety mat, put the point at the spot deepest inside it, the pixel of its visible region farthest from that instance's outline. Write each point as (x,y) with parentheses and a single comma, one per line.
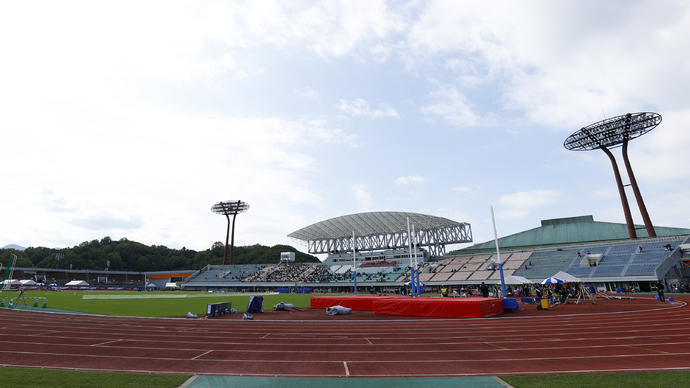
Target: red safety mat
(440,307)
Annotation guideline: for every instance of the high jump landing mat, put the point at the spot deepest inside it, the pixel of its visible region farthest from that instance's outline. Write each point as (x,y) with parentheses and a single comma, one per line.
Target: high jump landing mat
(415,307)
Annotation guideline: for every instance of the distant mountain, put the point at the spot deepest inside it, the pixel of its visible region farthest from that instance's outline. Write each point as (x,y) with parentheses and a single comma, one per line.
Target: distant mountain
(13,246)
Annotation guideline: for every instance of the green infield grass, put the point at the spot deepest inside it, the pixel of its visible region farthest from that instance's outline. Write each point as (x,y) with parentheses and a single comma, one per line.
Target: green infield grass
(31,377)
(149,304)
(674,379)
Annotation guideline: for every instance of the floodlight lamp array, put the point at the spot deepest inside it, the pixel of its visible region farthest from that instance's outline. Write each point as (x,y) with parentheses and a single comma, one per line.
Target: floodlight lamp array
(227,208)
(612,132)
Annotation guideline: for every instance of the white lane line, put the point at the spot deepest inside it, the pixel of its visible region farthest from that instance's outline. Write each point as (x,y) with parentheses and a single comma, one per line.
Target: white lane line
(201,355)
(107,342)
(347,370)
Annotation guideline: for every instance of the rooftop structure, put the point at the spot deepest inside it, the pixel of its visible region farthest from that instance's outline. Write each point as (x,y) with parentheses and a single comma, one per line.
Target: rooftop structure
(382,230)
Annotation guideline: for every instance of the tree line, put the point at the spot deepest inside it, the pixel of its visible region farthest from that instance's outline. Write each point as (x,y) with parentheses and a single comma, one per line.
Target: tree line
(126,255)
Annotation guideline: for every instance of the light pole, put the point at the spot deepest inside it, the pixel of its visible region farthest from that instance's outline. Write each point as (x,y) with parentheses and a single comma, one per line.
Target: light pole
(227,208)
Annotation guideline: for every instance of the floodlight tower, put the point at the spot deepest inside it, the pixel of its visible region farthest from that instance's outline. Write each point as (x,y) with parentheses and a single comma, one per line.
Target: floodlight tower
(612,133)
(227,208)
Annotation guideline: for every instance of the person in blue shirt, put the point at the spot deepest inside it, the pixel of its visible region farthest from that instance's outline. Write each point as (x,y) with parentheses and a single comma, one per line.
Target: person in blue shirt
(592,293)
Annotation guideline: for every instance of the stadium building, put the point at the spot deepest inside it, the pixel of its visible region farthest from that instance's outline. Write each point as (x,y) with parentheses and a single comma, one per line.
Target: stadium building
(595,252)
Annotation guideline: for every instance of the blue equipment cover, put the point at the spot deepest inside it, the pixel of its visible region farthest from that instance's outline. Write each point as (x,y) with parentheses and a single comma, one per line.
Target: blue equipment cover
(255,304)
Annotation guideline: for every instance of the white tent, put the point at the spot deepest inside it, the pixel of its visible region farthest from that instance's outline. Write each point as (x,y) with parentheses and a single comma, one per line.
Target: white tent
(77,283)
(27,282)
(12,282)
(568,278)
(512,279)
(171,285)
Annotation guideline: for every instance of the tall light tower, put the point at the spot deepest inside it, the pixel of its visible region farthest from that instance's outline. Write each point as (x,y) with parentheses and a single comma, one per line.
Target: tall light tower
(611,133)
(227,208)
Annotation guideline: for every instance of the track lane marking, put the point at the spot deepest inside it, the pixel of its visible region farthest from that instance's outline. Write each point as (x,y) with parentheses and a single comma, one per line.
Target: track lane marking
(651,350)
(201,355)
(266,335)
(347,370)
(368,341)
(498,346)
(107,342)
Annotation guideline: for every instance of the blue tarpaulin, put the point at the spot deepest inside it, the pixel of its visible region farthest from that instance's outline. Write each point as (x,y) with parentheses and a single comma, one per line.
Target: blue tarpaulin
(255,304)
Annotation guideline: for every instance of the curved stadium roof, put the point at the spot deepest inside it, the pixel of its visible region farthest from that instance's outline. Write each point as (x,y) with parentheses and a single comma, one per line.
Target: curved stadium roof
(372,223)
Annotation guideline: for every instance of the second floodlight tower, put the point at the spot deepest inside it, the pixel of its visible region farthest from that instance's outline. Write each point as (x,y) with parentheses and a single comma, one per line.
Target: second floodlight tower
(615,132)
(228,208)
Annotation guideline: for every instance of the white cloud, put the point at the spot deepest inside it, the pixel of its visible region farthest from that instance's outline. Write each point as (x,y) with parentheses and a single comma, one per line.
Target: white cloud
(309,93)
(467,190)
(362,196)
(452,106)
(410,180)
(360,107)
(523,203)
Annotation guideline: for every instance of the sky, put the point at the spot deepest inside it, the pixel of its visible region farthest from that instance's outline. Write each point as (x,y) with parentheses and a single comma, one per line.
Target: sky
(130,119)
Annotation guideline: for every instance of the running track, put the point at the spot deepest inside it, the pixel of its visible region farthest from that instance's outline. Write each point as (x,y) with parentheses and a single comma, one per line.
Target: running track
(562,340)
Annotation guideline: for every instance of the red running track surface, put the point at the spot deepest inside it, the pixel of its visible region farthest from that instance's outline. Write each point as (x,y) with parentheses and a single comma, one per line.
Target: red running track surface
(613,336)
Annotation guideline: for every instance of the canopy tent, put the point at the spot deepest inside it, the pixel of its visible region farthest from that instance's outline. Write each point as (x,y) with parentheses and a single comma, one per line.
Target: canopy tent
(150,285)
(568,278)
(171,285)
(12,282)
(513,279)
(412,284)
(551,280)
(77,283)
(27,282)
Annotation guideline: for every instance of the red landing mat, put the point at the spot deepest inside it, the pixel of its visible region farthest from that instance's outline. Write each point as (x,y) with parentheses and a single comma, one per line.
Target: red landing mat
(416,307)
(362,303)
(441,307)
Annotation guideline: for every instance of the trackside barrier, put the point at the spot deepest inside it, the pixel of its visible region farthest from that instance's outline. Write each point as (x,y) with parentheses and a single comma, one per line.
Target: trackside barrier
(220,308)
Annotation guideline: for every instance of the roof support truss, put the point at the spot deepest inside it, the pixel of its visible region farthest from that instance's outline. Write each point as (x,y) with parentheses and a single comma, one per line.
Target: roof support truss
(434,240)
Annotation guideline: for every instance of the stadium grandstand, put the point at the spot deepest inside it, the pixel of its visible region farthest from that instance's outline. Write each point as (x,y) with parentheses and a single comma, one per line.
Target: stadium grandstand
(600,253)
(596,252)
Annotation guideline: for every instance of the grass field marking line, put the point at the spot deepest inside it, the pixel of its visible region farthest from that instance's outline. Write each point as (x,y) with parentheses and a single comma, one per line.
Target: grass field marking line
(368,341)
(202,354)
(347,370)
(107,342)
(498,346)
(651,350)
(266,335)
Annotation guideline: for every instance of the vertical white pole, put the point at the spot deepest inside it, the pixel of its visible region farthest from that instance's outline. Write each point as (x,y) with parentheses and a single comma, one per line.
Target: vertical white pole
(354,258)
(498,253)
(409,246)
(416,263)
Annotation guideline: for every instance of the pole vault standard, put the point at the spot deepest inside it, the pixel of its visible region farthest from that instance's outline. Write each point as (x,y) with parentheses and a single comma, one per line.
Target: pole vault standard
(498,253)
(412,266)
(417,285)
(354,258)
(228,208)
(614,132)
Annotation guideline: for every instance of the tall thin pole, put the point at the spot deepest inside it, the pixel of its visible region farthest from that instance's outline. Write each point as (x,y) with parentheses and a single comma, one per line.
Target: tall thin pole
(409,245)
(227,235)
(624,198)
(416,263)
(498,253)
(636,190)
(232,239)
(354,258)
